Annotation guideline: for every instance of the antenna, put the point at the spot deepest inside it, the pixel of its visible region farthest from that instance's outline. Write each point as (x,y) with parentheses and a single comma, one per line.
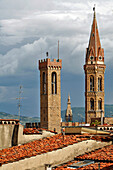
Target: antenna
(41,52)
(51,56)
(19,100)
(58,49)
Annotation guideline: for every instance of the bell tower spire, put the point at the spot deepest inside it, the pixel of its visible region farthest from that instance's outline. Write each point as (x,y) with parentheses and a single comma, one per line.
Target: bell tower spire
(94,75)
(94,52)
(68,115)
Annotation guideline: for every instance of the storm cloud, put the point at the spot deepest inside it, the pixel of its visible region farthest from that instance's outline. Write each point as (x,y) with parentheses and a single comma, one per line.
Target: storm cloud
(29,28)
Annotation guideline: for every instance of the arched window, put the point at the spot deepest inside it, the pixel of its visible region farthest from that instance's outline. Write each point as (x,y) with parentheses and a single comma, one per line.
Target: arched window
(91,104)
(100,104)
(54,83)
(91,83)
(99,83)
(44,83)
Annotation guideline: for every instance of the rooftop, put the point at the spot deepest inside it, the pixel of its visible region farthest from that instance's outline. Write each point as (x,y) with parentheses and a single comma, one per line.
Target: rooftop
(102,158)
(37,147)
(53,143)
(92,166)
(29,131)
(104,154)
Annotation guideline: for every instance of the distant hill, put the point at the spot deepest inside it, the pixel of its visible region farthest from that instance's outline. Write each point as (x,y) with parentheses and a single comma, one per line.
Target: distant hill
(78,115)
(108,110)
(23,119)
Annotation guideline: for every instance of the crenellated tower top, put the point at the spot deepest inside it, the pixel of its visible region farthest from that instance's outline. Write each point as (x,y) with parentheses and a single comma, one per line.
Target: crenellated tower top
(50,64)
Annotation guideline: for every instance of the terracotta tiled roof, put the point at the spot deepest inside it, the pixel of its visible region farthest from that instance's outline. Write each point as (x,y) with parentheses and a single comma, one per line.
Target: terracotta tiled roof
(102,138)
(104,154)
(38,147)
(43,146)
(29,131)
(94,166)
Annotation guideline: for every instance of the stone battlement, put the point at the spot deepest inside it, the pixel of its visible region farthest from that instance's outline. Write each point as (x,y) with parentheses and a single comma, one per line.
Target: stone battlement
(9,121)
(50,63)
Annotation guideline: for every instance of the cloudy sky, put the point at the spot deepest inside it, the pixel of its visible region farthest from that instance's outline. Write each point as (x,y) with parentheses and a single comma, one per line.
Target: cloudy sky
(29,28)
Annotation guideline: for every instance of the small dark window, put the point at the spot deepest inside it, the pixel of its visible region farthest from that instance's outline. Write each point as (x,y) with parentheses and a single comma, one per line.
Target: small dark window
(91,83)
(54,83)
(44,83)
(100,104)
(91,104)
(99,83)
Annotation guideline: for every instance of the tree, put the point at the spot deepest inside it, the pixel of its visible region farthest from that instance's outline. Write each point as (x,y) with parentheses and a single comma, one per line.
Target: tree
(96,123)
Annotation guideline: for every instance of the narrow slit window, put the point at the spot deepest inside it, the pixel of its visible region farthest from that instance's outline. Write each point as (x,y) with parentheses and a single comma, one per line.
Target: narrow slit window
(91,104)
(54,83)
(99,83)
(100,104)
(91,83)
(44,83)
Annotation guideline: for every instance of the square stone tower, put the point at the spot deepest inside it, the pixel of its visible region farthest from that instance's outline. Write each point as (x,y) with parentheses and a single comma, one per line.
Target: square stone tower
(50,94)
(94,76)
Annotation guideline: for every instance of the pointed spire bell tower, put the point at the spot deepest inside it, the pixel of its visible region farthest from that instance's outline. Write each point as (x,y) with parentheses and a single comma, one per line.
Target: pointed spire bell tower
(68,115)
(94,75)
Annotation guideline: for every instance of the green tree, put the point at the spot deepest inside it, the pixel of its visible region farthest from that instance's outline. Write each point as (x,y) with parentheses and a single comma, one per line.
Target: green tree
(96,123)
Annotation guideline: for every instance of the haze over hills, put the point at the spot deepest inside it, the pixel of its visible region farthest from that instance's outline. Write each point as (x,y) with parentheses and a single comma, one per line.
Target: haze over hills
(23,119)
(78,115)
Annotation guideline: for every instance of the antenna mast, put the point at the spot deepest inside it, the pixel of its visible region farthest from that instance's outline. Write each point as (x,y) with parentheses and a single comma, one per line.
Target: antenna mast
(58,49)
(19,101)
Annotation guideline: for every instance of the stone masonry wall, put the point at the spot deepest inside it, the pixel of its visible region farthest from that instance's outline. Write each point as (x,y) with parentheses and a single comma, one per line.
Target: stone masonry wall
(11,135)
